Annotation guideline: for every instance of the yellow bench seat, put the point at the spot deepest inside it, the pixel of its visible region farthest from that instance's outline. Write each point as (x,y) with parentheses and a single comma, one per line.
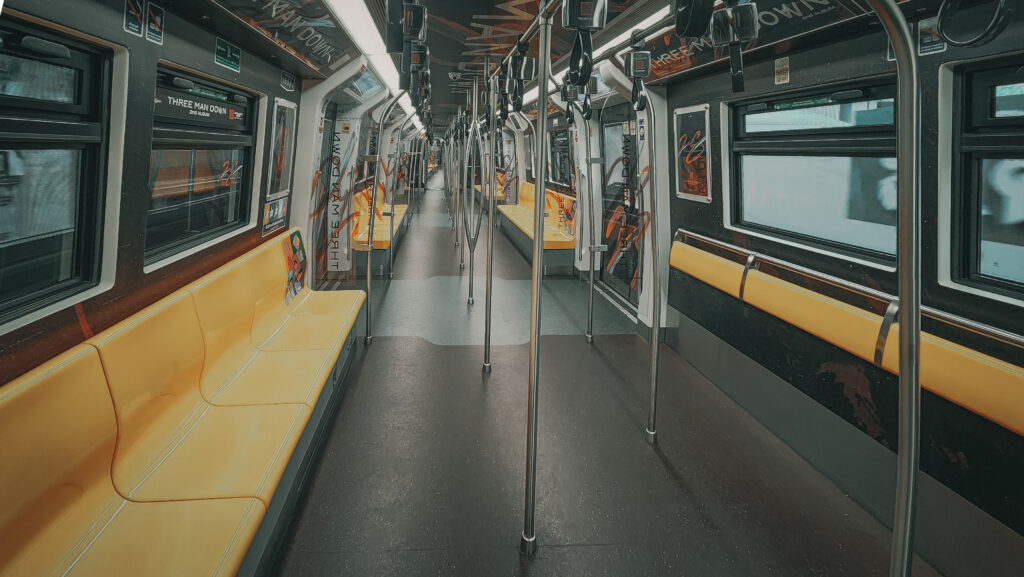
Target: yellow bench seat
(156,447)
(381,229)
(60,513)
(555,237)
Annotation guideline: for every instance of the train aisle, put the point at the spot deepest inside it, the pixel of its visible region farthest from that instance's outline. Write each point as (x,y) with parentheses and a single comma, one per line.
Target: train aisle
(422,473)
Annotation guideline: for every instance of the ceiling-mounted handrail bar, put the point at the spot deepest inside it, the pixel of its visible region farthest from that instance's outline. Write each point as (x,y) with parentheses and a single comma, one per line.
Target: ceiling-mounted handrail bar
(474,143)
(527,35)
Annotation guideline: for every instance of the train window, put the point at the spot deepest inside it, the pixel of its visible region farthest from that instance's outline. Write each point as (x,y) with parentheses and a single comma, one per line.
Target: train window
(53,137)
(991,191)
(200,175)
(1009,100)
(820,169)
(819,113)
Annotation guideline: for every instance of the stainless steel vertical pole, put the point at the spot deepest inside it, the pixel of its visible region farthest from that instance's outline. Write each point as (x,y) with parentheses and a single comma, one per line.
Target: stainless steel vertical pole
(373,208)
(528,543)
(463,159)
(492,122)
(471,185)
(391,213)
(584,125)
(651,433)
(456,167)
(908,134)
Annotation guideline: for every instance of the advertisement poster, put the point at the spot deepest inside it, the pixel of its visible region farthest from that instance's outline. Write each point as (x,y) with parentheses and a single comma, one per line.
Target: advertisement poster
(295,258)
(275,215)
(305,28)
(693,175)
(340,201)
(282,150)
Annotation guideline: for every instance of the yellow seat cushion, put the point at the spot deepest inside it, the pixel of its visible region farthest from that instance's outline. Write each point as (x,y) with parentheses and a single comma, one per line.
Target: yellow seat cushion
(319,320)
(60,514)
(555,238)
(260,349)
(172,443)
(381,228)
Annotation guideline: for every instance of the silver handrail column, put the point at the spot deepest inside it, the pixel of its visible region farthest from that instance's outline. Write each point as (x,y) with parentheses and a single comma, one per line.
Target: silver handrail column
(528,543)
(373,208)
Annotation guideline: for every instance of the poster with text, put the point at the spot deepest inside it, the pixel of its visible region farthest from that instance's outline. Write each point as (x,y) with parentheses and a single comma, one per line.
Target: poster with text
(275,215)
(282,151)
(693,174)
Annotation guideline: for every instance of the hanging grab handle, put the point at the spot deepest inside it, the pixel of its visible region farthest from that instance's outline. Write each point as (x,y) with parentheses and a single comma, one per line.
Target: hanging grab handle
(581,61)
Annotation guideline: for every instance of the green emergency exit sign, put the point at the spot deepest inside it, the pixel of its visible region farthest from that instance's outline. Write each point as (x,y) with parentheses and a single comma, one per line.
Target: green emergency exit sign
(228,55)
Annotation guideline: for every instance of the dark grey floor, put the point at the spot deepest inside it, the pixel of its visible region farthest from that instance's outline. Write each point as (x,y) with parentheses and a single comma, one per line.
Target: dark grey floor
(423,471)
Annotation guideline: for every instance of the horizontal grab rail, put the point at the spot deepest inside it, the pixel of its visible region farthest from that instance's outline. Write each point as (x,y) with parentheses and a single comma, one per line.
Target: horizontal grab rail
(1001,335)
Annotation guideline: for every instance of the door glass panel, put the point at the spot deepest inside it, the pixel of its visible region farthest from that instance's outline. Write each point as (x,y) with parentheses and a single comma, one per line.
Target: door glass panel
(622,221)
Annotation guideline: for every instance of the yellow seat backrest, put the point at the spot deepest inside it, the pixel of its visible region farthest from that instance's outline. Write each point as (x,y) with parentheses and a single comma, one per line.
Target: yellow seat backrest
(268,273)
(153,361)
(58,429)
(526,190)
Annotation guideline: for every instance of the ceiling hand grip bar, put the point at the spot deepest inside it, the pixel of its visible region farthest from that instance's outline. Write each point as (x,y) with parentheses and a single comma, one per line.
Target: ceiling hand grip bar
(908,249)
(472,166)
(373,208)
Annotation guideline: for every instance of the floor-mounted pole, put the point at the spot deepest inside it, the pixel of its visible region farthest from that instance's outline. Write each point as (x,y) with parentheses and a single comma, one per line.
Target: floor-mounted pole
(584,125)
(651,433)
(373,208)
(528,543)
(492,122)
(908,249)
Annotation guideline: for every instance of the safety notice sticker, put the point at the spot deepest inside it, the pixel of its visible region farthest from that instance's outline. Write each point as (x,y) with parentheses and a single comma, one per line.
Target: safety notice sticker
(155,24)
(228,55)
(134,11)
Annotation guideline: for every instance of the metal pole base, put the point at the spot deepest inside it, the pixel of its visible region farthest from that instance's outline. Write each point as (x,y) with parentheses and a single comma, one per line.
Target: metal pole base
(590,338)
(528,546)
(462,265)
(391,275)
(470,300)
(651,437)
(368,340)
(487,368)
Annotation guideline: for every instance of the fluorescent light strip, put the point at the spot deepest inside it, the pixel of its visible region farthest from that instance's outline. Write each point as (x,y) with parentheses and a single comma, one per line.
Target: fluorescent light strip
(359,26)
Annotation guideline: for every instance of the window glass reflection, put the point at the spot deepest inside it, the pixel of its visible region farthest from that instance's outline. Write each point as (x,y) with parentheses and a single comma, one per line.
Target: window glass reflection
(1002,218)
(37,80)
(850,200)
(819,113)
(1009,100)
(39,195)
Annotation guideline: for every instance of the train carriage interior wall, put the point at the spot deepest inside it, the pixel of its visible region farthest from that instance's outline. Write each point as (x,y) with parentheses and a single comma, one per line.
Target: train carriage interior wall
(644,287)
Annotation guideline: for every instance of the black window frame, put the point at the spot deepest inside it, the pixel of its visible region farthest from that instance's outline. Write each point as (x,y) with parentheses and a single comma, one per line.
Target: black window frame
(83,125)
(979,135)
(179,134)
(865,141)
